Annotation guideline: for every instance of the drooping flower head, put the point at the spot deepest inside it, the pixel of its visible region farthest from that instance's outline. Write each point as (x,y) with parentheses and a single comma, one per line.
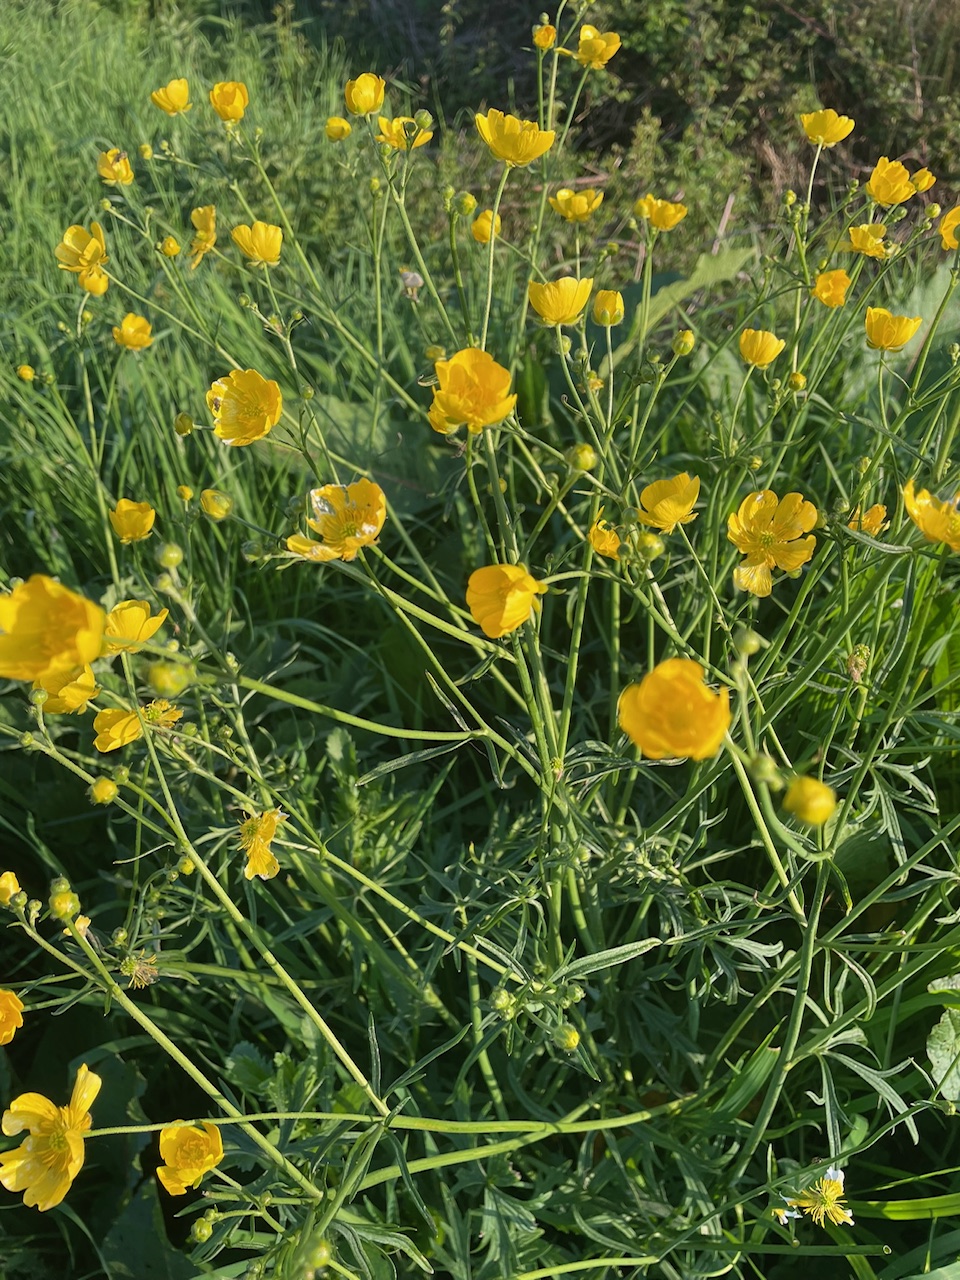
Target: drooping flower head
(830,288)
(256,836)
(667,503)
(769,532)
(661,214)
(604,538)
(173,98)
(229,99)
(188,1151)
(46,1163)
(204,221)
(337,129)
(483,226)
(871,522)
(130,625)
(260,243)
(47,630)
(516,142)
(576,206)
(133,332)
(68,693)
(114,168)
(364,95)
(474,391)
(923,180)
(402,133)
(596,48)
(826,128)
(938,521)
(245,406)
(347,517)
(132,521)
(887,332)
(948,228)
(760,347)
(671,712)
(502,597)
(11,1015)
(890,183)
(560,301)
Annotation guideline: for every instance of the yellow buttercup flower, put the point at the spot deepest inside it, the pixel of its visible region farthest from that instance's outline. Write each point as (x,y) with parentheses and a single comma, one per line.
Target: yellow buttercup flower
(47,630)
(810,801)
(576,206)
(760,347)
(672,714)
(667,503)
(608,307)
(596,48)
(474,392)
(169,246)
(887,332)
(867,239)
(938,521)
(338,129)
(502,597)
(871,522)
(824,1200)
(68,693)
(11,1015)
(81,251)
(9,888)
(188,1151)
(561,301)
(516,142)
(129,625)
(245,406)
(173,98)
(662,214)
(47,1162)
(134,332)
(831,287)
(132,521)
(116,728)
(544,36)
(889,183)
(347,517)
(948,228)
(216,504)
(256,836)
(204,221)
(26,372)
(229,99)
(260,243)
(95,281)
(483,224)
(113,166)
(403,133)
(768,532)
(604,538)
(826,128)
(922,180)
(364,95)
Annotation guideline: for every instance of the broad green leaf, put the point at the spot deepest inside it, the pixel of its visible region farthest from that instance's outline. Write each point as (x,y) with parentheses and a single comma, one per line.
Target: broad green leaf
(943,1050)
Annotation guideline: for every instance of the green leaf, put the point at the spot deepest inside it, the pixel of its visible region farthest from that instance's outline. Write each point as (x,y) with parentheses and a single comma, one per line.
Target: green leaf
(136,1247)
(943,1050)
(586,965)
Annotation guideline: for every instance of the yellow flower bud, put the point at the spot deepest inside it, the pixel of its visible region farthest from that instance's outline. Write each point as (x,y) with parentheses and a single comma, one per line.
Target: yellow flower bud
(26,372)
(103,791)
(683,343)
(797,380)
(169,247)
(183,424)
(64,903)
(810,801)
(582,457)
(216,504)
(545,36)
(184,492)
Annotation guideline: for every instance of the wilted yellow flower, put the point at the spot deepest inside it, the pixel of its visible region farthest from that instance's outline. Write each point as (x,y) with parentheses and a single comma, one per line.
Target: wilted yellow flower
(102,791)
(604,538)
(516,142)
(338,129)
(83,252)
(596,48)
(667,503)
(661,214)
(938,521)
(173,98)
(169,246)
(867,239)
(871,522)
(608,307)
(760,347)
(347,517)
(922,180)
(114,168)
(188,1151)
(68,693)
(132,521)
(889,183)
(887,332)
(364,95)
(260,243)
(402,133)
(948,228)
(215,503)
(229,99)
(11,1015)
(256,835)
(9,888)
(576,206)
(26,372)
(204,221)
(474,391)
(671,712)
(824,1200)
(502,597)
(46,1163)
(768,531)
(129,625)
(134,332)
(46,630)
(482,224)
(544,36)
(245,406)
(560,301)
(831,287)
(811,802)
(826,128)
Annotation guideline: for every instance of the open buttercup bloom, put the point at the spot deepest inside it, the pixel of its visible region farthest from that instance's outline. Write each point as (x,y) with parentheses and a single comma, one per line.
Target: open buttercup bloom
(114,168)
(560,301)
(604,538)
(337,129)
(810,801)
(116,727)
(82,252)
(364,95)
(890,183)
(11,1015)
(68,694)
(830,287)
(760,347)
(483,224)
(256,836)
(608,309)
(872,521)
(596,48)
(188,1151)
(46,1163)
(9,887)
(544,36)
(826,128)
(129,625)
(672,713)
(474,392)
(667,503)
(347,517)
(402,133)
(866,239)
(948,228)
(260,243)
(47,630)
(204,221)
(132,521)
(887,332)
(173,98)
(229,99)
(516,142)
(938,521)
(133,332)
(245,406)
(502,597)
(661,214)
(576,206)
(769,532)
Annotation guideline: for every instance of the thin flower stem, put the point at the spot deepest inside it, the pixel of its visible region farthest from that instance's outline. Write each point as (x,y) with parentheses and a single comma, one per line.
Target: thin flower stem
(488,302)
